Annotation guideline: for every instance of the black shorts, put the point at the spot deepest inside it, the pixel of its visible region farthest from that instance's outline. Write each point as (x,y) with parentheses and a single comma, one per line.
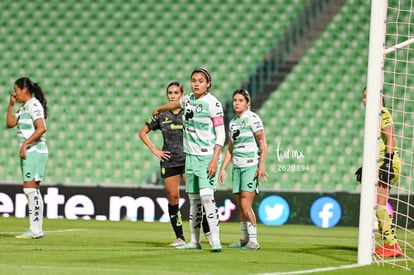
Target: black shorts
(172,171)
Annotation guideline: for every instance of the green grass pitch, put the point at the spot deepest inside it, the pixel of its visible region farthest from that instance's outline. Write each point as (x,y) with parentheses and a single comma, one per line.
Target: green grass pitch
(96,247)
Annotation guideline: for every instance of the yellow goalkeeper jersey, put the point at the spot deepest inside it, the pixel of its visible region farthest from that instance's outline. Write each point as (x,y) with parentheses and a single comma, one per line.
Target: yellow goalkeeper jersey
(386,120)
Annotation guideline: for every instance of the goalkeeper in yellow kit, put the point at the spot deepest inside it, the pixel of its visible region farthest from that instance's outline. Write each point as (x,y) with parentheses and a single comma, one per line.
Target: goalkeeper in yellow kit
(388,175)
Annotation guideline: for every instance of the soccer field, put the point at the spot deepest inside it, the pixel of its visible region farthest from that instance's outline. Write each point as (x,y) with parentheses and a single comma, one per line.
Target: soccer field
(94,247)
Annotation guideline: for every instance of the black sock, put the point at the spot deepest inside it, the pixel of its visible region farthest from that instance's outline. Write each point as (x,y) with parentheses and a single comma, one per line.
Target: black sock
(176,221)
(206,227)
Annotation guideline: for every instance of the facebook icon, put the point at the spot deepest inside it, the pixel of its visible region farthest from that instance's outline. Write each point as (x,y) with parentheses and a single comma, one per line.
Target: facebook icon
(325,212)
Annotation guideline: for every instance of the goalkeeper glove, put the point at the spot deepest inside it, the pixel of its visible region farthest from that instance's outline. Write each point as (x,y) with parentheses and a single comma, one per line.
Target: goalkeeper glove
(358,174)
(386,173)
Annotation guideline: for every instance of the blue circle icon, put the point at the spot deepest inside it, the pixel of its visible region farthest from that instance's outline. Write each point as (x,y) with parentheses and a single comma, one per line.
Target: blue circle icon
(325,212)
(274,210)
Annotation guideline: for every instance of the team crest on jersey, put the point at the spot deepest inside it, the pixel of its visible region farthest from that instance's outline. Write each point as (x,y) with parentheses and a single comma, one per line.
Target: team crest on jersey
(199,108)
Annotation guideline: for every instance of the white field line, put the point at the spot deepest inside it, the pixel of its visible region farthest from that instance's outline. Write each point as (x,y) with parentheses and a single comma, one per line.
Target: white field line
(34,268)
(314,270)
(49,231)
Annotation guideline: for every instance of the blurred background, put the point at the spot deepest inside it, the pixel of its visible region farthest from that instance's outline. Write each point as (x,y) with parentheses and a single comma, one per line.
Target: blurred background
(105,65)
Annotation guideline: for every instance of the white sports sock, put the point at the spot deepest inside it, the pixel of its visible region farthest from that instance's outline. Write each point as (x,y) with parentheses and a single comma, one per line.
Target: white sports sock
(195,217)
(244,234)
(35,205)
(252,231)
(207,199)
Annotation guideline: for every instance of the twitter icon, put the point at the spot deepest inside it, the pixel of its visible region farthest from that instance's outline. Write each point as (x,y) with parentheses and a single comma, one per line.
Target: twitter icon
(274,210)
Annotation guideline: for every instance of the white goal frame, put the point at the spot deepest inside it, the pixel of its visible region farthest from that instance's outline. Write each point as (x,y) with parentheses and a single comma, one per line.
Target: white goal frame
(375,83)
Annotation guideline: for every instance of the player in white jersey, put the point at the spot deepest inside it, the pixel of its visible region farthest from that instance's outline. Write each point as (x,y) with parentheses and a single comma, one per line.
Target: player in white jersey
(172,158)
(204,137)
(31,129)
(247,150)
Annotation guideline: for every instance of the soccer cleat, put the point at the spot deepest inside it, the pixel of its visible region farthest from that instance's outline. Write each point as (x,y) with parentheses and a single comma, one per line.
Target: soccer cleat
(238,245)
(387,251)
(251,246)
(215,247)
(177,242)
(208,237)
(189,245)
(30,235)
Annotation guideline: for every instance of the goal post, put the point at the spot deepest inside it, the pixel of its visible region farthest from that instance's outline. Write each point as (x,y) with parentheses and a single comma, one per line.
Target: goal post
(391,78)
(371,131)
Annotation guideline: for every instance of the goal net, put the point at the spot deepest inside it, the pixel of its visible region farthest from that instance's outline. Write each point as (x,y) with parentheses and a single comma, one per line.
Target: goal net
(399,97)
(395,78)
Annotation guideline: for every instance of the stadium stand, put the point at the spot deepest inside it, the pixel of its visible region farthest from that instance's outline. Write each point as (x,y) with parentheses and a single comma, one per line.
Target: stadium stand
(327,124)
(321,98)
(105,65)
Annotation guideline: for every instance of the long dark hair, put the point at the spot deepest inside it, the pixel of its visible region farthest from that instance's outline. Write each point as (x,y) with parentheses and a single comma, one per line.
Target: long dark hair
(34,89)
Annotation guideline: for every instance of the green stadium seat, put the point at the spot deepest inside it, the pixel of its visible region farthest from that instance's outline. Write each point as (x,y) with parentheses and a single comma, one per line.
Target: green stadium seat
(109,74)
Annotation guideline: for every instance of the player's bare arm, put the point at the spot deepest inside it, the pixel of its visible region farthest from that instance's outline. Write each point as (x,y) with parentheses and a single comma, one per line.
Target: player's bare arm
(11,119)
(226,162)
(261,169)
(169,106)
(160,154)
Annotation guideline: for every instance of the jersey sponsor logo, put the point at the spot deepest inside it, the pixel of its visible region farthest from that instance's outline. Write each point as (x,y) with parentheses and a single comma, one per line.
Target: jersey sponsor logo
(274,210)
(242,125)
(235,134)
(325,212)
(258,124)
(176,127)
(190,130)
(189,114)
(235,129)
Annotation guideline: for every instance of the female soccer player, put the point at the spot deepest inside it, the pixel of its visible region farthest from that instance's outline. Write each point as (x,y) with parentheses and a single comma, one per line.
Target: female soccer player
(31,129)
(247,150)
(203,138)
(172,157)
(389,173)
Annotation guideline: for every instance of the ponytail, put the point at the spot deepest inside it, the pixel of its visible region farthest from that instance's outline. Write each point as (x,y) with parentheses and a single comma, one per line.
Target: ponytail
(40,95)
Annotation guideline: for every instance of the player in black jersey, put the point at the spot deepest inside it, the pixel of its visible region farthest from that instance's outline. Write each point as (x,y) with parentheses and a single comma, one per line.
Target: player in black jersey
(172,158)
